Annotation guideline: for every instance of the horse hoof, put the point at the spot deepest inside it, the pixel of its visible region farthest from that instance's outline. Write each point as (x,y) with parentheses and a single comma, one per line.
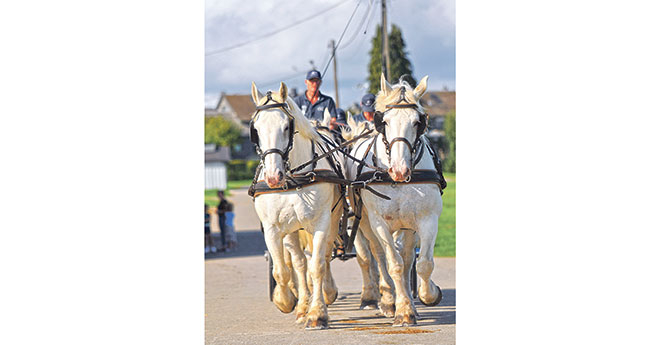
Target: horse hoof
(369,304)
(387,309)
(330,300)
(437,300)
(404,320)
(285,307)
(300,318)
(320,323)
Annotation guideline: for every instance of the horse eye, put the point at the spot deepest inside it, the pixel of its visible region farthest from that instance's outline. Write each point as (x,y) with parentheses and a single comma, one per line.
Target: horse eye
(286,128)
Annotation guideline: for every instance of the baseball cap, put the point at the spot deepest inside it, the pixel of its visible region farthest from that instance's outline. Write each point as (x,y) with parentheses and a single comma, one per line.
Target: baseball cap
(313,74)
(368,101)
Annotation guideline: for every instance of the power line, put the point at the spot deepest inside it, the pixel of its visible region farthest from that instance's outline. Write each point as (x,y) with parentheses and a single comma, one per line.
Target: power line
(222,50)
(340,38)
(359,27)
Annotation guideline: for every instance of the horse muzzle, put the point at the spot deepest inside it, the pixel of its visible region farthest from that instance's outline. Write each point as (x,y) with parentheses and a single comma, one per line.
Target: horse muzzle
(399,174)
(275,180)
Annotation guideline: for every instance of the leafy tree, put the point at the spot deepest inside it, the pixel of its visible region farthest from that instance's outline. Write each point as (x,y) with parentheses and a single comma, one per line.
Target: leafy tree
(399,63)
(220,131)
(449,163)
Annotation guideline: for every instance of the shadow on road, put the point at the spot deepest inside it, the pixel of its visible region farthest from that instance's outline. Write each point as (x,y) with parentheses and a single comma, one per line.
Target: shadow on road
(250,243)
(442,314)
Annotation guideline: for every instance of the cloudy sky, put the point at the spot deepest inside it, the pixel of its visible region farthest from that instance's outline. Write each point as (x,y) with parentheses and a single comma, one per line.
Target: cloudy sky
(428,28)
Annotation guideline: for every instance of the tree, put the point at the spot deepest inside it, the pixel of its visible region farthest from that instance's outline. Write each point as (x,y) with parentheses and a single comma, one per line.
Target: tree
(220,131)
(449,164)
(399,63)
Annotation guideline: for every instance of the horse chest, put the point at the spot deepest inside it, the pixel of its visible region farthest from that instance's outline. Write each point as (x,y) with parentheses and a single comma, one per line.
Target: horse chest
(293,210)
(408,206)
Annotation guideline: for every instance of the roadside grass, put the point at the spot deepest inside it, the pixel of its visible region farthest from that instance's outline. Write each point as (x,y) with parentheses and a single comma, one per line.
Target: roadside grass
(211,195)
(445,243)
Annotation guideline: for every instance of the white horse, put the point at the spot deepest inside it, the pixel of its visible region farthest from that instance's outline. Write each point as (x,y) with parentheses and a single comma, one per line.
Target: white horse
(414,208)
(377,286)
(285,139)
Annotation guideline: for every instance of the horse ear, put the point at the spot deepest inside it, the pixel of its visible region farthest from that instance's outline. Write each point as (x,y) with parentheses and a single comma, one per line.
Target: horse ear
(421,88)
(384,85)
(284,92)
(350,120)
(326,118)
(256,94)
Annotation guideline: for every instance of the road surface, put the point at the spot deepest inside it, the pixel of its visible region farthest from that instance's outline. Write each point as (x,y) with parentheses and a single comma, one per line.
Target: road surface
(238,311)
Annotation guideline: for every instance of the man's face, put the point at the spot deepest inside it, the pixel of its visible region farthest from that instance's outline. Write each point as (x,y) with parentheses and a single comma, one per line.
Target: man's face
(369,115)
(313,84)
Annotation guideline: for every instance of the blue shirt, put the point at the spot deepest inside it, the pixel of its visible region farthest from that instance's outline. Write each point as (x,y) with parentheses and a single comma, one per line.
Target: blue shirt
(315,112)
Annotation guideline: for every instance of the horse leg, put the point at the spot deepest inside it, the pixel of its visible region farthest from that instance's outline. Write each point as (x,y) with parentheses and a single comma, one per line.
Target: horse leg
(299,263)
(429,293)
(282,296)
(369,297)
(330,291)
(317,316)
(289,265)
(405,312)
(386,303)
(406,241)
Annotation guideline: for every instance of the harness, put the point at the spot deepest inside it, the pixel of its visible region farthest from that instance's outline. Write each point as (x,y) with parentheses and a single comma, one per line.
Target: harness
(295,180)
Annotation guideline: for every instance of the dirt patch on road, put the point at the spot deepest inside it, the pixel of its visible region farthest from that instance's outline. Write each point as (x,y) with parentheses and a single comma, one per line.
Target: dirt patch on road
(405,331)
(363,328)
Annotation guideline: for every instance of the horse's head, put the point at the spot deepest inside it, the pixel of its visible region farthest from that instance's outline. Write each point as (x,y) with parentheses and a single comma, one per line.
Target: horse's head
(401,121)
(271,130)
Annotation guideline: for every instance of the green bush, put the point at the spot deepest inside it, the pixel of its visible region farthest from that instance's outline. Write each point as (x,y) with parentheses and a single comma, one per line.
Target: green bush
(240,169)
(449,163)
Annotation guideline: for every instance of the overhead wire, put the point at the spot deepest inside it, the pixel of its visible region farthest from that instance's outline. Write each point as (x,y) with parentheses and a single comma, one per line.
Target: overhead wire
(359,27)
(340,38)
(222,50)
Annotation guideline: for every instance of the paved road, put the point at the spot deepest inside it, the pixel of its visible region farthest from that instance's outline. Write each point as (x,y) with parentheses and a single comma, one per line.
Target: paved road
(238,310)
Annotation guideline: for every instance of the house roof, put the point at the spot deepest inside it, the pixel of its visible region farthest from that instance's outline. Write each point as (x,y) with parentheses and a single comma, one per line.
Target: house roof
(439,103)
(219,155)
(242,105)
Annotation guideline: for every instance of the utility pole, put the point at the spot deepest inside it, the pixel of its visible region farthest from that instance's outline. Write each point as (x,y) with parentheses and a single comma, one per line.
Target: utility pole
(386,42)
(334,65)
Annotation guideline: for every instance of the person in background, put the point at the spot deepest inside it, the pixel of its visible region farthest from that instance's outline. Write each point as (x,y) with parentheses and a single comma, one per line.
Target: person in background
(312,102)
(230,232)
(368,108)
(209,246)
(222,217)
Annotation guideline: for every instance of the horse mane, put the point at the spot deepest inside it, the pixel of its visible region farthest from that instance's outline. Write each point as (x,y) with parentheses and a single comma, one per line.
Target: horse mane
(303,126)
(382,99)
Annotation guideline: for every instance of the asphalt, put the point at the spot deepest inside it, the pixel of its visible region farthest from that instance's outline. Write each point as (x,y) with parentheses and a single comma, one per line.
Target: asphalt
(238,311)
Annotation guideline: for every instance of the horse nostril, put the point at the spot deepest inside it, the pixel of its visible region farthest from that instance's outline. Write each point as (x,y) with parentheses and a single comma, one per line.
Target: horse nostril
(280,175)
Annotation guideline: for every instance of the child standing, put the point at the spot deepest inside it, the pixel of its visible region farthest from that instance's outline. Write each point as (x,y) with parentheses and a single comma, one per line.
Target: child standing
(230,233)
(209,246)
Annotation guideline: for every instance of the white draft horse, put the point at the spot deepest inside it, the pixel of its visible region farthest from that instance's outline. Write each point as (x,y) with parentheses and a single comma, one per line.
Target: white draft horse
(285,139)
(414,208)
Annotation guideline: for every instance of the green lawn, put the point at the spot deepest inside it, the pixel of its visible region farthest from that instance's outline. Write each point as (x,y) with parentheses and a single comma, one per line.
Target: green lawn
(211,195)
(445,243)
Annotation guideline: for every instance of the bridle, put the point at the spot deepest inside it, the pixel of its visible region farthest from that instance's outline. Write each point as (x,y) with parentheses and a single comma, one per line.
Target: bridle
(421,127)
(254,135)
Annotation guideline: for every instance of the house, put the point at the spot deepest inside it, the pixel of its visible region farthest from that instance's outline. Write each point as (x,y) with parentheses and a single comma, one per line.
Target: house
(437,104)
(215,166)
(237,109)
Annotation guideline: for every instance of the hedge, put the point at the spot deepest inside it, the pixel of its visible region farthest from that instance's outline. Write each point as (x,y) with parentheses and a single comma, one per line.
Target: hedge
(240,169)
